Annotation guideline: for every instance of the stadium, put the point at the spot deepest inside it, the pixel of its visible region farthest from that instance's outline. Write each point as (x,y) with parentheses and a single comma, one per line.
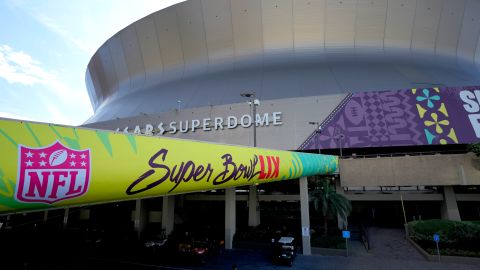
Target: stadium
(392,87)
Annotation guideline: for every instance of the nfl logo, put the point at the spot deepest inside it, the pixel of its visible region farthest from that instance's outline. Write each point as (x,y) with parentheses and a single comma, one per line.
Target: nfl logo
(52,173)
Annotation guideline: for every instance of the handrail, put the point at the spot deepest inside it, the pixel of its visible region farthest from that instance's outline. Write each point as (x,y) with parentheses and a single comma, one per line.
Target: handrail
(402,154)
(365,237)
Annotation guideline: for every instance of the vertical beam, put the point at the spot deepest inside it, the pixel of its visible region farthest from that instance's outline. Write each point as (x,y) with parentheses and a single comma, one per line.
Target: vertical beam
(7,221)
(65,217)
(230,217)
(449,206)
(139,218)
(253,209)
(168,214)
(85,214)
(45,216)
(305,216)
(342,224)
(461,174)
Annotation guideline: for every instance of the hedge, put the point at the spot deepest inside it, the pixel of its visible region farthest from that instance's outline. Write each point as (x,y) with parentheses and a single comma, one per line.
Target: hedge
(461,238)
(449,231)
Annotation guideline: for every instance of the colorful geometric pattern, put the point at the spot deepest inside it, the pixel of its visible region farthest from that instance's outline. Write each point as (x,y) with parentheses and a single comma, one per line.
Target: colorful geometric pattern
(433,112)
(395,118)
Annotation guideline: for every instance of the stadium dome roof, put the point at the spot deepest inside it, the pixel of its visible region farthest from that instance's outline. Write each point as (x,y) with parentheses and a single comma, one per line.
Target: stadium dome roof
(207,52)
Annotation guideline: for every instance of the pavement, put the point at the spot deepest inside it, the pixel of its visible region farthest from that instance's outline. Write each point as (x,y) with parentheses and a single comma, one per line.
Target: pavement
(390,251)
(254,260)
(390,243)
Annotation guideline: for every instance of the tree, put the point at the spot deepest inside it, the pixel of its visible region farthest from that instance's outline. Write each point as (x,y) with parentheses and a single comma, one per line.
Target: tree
(327,201)
(475,148)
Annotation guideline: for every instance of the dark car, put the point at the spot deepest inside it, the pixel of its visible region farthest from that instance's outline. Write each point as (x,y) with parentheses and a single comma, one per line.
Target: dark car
(193,249)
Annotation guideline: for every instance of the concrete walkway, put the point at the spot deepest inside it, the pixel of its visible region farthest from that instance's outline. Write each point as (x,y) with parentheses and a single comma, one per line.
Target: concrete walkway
(250,260)
(390,243)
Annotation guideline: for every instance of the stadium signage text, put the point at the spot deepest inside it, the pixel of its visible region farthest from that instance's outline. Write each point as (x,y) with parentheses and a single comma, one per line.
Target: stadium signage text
(471,100)
(185,171)
(207,124)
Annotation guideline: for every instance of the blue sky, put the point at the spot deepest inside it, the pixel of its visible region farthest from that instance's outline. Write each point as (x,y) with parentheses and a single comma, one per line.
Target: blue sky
(45,47)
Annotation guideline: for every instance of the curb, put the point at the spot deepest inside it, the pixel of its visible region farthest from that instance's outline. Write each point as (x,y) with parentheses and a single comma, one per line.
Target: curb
(328,251)
(443,258)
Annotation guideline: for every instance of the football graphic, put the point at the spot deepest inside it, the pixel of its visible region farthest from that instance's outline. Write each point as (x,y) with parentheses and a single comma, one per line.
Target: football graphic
(58,157)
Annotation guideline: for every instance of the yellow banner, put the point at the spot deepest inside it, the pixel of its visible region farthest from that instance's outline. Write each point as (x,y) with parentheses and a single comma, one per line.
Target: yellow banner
(45,166)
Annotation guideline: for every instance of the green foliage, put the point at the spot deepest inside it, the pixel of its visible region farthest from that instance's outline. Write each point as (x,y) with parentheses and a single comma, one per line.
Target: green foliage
(457,238)
(454,252)
(449,231)
(327,201)
(328,241)
(475,148)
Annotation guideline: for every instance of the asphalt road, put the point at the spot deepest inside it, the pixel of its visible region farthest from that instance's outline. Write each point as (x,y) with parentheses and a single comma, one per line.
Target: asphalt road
(249,260)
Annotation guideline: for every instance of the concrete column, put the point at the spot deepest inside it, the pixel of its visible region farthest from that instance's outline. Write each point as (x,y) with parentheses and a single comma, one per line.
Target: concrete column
(342,224)
(85,214)
(65,217)
(140,217)
(45,216)
(305,216)
(253,209)
(230,217)
(6,223)
(168,214)
(449,205)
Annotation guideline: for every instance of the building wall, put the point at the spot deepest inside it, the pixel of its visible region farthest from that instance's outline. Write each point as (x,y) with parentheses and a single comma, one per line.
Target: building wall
(433,170)
(296,113)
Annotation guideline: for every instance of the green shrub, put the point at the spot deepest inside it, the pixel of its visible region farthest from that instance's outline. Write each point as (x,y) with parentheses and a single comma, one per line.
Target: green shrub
(328,241)
(456,237)
(449,231)
(453,252)
(475,148)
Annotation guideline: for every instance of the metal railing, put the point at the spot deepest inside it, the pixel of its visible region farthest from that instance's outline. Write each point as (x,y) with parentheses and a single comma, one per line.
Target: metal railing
(402,154)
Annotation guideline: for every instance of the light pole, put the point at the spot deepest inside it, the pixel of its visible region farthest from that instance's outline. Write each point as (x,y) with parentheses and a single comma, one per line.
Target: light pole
(253,207)
(253,102)
(339,138)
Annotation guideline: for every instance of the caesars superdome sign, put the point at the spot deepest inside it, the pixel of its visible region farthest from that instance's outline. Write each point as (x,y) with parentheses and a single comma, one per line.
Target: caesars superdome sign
(206,124)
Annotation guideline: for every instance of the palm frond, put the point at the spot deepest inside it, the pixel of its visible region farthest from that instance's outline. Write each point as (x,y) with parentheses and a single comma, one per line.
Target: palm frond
(327,201)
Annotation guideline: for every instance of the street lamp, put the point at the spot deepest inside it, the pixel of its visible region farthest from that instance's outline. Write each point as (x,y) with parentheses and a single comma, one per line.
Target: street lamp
(339,138)
(317,130)
(254,207)
(253,102)
(179,102)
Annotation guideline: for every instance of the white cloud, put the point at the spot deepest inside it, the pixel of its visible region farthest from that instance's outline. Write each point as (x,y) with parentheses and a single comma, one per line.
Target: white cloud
(57,28)
(57,116)
(19,67)
(14,116)
(83,24)
(87,24)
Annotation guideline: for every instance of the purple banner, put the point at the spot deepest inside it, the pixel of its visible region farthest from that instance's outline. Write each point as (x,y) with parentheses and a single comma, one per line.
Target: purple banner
(420,116)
